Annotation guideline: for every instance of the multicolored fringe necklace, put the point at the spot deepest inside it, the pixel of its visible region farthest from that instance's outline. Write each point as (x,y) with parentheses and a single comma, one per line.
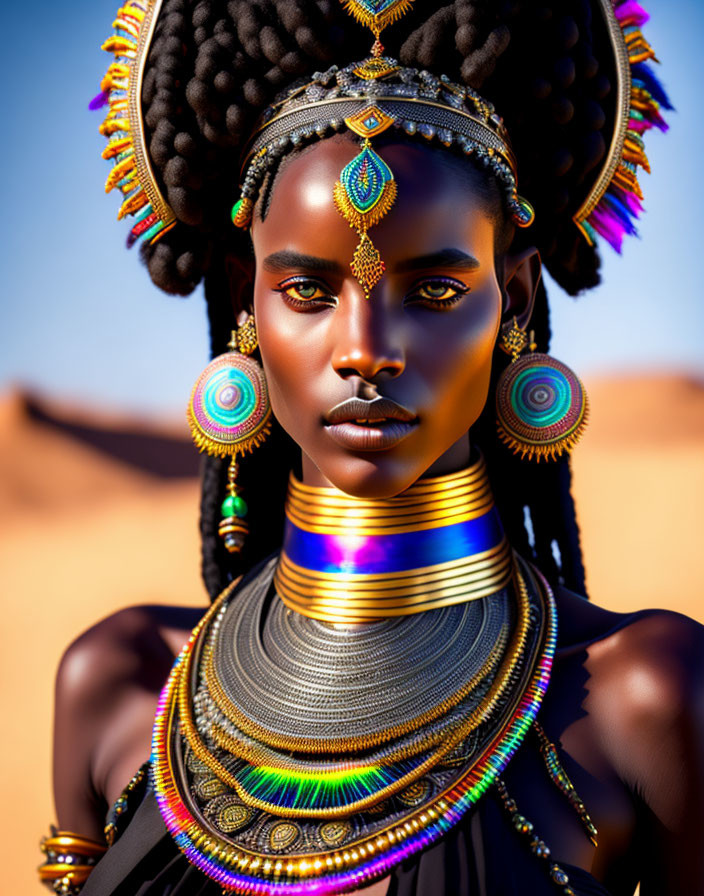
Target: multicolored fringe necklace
(295,753)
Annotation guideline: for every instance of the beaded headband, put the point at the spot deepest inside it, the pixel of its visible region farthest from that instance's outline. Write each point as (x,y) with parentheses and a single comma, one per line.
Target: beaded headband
(367,189)
(369,98)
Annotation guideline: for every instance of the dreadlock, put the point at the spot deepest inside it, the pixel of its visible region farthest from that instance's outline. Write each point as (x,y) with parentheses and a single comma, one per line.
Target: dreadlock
(215,65)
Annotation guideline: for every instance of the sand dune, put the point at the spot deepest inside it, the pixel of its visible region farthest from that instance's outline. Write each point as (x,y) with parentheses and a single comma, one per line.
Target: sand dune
(100,512)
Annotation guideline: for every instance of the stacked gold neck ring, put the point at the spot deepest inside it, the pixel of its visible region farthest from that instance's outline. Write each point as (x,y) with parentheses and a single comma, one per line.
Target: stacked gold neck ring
(347,559)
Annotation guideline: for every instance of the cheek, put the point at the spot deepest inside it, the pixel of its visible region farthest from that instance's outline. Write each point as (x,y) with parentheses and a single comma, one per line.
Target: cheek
(277,352)
(285,348)
(460,365)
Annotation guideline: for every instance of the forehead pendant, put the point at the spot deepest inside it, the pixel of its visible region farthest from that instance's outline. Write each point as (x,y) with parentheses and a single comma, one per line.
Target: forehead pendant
(366,189)
(364,193)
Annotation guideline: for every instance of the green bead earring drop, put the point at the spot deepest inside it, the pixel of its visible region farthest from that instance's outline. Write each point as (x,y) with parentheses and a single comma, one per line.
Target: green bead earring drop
(233,528)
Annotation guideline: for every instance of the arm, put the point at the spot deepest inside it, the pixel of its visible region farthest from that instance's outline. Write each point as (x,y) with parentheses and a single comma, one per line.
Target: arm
(106,692)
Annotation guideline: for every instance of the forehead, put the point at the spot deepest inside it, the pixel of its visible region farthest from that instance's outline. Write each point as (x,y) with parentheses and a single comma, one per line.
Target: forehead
(442,201)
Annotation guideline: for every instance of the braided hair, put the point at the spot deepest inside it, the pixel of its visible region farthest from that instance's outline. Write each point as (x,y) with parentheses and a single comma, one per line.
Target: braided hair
(214,65)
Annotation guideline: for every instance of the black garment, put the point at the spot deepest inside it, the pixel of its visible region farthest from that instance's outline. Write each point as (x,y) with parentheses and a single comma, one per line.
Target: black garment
(481,856)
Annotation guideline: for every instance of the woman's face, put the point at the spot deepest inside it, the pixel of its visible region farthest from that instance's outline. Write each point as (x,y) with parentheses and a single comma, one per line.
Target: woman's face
(377,392)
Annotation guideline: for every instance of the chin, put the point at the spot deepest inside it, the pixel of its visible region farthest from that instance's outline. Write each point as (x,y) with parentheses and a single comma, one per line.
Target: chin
(372,475)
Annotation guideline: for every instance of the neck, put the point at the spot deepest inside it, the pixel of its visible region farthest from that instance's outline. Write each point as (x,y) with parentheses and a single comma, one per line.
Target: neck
(348,559)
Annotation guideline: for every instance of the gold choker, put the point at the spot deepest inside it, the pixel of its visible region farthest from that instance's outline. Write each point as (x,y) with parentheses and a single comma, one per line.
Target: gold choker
(349,560)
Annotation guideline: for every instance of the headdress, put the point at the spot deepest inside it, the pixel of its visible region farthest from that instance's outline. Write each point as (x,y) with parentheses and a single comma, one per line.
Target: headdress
(610,206)
(615,200)
(121,89)
(369,97)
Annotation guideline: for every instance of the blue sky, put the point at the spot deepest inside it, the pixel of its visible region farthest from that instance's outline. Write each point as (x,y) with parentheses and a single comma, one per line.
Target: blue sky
(80,319)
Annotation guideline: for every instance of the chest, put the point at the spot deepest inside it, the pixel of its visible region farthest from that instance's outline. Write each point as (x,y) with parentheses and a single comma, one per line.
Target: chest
(566,718)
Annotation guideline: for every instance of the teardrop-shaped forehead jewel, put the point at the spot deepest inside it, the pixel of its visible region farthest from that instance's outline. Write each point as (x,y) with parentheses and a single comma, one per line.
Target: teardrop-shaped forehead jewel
(365,192)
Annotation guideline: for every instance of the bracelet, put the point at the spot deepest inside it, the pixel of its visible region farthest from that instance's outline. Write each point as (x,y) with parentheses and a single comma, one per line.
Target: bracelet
(70,858)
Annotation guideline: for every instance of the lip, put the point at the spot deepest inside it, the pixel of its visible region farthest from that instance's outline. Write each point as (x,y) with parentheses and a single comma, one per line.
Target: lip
(362,425)
(376,409)
(378,437)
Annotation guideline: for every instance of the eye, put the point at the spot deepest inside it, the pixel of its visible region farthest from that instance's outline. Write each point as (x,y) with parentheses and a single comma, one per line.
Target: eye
(440,292)
(305,294)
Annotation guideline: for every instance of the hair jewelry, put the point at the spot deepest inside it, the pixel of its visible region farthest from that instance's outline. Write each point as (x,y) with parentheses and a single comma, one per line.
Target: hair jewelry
(369,97)
(610,209)
(364,193)
(366,189)
(229,414)
(121,90)
(615,201)
(376,15)
(541,405)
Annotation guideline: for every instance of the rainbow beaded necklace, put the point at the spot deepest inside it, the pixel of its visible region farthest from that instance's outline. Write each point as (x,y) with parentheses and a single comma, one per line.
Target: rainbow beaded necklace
(349,857)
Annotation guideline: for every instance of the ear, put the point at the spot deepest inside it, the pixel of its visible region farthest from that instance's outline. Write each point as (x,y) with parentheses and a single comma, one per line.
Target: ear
(240,277)
(522,273)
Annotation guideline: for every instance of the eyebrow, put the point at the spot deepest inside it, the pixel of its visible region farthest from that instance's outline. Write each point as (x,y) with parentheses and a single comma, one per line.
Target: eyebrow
(444,258)
(286,259)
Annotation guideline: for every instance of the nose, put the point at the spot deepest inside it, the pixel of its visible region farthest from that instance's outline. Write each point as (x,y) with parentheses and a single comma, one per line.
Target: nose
(365,342)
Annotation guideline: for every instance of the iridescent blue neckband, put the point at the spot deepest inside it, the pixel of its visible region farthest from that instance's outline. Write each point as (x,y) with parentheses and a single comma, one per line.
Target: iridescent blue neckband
(402,552)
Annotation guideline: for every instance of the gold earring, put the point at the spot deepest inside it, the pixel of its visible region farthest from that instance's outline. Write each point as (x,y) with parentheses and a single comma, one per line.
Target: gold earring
(541,405)
(229,414)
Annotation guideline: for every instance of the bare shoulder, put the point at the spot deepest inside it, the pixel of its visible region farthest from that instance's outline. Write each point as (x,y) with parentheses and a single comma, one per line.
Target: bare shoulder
(663,646)
(646,701)
(654,661)
(107,685)
(135,645)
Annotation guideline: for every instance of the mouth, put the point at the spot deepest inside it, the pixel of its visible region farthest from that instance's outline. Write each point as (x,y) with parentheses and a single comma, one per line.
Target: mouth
(376,425)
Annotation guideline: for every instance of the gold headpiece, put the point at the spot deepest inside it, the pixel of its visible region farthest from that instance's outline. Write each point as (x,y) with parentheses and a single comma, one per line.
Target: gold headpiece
(615,201)
(369,98)
(377,15)
(121,90)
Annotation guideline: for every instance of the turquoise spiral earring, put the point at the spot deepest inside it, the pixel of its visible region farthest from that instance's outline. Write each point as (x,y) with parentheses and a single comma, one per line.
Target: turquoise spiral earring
(541,405)
(229,414)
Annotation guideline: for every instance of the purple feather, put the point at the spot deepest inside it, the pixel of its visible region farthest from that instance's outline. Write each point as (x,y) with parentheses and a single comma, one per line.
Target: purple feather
(620,211)
(630,200)
(631,12)
(656,118)
(607,226)
(100,100)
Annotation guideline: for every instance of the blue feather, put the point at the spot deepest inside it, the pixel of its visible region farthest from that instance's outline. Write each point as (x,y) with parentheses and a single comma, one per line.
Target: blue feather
(644,73)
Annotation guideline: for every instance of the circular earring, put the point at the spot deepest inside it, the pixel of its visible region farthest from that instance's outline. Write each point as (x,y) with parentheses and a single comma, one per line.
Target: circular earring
(229,414)
(541,405)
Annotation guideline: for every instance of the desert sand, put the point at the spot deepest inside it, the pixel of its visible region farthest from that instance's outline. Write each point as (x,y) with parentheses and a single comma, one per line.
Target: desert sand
(98,512)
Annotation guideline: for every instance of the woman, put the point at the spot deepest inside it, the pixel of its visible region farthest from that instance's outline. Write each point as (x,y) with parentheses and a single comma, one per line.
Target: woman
(374,705)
